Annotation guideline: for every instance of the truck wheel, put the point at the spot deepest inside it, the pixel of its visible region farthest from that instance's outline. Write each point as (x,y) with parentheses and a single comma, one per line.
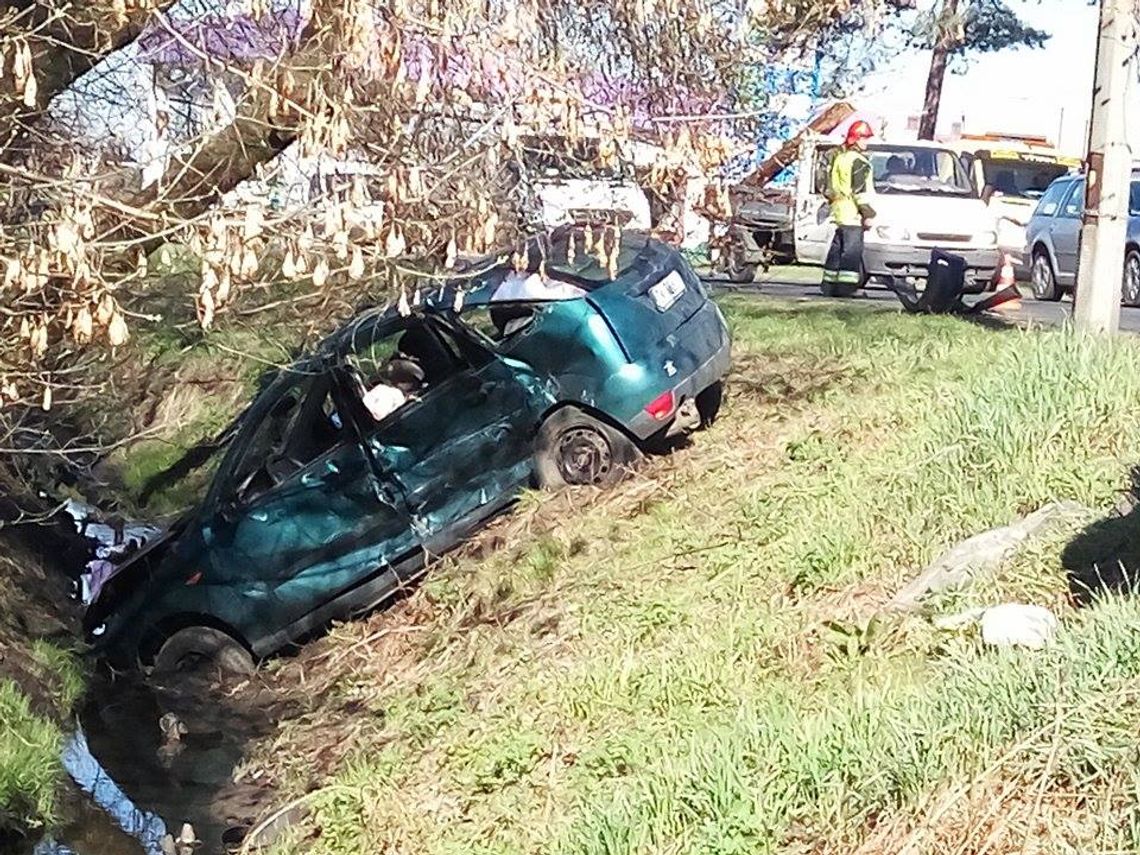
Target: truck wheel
(740,272)
(1043,279)
(734,268)
(203,648)
(574,449)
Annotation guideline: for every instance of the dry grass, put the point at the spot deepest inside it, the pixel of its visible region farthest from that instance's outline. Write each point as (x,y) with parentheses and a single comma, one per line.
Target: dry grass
(689,663)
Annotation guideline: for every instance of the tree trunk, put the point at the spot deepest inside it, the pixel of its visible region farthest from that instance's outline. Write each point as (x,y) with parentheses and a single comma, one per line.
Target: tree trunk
(943,45)
(65,40)
(209,167)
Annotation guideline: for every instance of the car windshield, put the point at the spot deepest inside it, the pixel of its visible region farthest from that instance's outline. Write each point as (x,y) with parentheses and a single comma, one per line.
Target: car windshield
(1021,179)
(907,169)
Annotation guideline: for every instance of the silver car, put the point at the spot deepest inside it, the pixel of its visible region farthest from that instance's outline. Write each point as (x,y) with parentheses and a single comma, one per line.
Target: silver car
(1052,240)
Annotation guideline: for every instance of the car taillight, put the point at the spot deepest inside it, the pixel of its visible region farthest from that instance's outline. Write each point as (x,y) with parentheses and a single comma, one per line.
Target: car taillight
(194,578)
(661,407)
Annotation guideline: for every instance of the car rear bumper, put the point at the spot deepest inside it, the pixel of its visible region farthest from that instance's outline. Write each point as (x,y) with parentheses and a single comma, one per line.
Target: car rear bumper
(702,376)
(884,259)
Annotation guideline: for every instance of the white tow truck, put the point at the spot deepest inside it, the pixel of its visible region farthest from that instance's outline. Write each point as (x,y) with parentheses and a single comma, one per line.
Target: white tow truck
(925,199)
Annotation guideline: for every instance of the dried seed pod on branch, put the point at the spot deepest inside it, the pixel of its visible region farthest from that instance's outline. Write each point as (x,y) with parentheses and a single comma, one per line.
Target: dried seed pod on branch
(429,113)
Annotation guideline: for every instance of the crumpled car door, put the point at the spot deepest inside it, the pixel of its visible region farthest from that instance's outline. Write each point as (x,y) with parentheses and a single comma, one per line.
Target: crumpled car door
(464,449)
(321,533)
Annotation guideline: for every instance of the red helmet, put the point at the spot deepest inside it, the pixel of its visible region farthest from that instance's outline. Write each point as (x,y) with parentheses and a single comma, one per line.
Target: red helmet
(859,130)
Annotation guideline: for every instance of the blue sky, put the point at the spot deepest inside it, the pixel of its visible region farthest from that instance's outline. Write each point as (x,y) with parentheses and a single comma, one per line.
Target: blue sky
(1046,91)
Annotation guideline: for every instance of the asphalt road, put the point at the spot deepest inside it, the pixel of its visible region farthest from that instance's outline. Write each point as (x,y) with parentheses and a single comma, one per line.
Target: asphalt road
(1029,312)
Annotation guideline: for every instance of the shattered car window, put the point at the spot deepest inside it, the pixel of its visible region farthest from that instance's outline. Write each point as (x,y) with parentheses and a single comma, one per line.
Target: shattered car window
(594,264)
(500,321)
(390,367)
(295,430)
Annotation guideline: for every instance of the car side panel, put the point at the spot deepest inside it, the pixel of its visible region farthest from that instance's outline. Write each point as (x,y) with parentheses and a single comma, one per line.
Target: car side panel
(574,345)
(573,348)
(306,543)
(1065,236)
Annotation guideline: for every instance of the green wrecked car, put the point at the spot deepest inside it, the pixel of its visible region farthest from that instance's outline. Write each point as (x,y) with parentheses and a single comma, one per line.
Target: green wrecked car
(407,430)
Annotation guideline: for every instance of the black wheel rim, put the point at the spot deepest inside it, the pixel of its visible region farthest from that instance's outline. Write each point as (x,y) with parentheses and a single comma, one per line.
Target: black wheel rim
(1132,280)
(584,456)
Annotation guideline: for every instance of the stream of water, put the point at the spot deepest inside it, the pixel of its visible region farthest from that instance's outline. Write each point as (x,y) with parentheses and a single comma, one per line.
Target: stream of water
(145,761)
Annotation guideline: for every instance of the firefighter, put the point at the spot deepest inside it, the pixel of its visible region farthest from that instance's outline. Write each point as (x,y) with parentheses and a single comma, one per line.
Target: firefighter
(849,191)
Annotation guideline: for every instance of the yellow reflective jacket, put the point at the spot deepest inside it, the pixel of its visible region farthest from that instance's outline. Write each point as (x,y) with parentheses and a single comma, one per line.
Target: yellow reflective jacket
(851,188)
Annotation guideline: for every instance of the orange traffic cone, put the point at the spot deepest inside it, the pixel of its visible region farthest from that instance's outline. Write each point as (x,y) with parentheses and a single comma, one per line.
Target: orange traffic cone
(1007,281)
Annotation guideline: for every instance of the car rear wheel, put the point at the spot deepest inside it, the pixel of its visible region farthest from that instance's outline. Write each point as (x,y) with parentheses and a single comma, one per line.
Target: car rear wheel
(709,401)
(1130,288)
(1043,279)
(575,449)
(203,649)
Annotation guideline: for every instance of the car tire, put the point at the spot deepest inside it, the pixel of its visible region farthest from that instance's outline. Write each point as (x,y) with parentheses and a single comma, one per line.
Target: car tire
(1130,287)
(575,449)
(1043,279)
(709,401)
(200,648)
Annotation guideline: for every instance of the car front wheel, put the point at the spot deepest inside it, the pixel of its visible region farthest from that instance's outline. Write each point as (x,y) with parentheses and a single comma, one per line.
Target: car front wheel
(1130,289)
(1043,279)
(203,649)
(575,449)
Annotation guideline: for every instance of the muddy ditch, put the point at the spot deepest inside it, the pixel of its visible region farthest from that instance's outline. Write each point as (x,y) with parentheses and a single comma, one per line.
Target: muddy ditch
(146,758)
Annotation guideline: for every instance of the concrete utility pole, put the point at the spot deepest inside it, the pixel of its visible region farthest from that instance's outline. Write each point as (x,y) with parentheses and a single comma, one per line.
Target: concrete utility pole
(1108,170)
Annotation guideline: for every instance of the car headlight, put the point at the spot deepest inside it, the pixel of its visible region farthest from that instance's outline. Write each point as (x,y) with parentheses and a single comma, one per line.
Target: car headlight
(892,233)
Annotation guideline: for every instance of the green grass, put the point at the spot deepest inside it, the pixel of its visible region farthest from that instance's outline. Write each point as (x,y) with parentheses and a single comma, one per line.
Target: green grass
(40,684)
(653,671)
(29,760)
(31,737)
(58,669)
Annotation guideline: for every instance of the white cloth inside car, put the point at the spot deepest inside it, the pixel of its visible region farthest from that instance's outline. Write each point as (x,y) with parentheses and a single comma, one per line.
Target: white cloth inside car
(519,287)
(382,400)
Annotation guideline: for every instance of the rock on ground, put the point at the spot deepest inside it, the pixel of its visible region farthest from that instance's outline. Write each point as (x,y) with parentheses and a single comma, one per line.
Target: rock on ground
(981,555)
(1018,625)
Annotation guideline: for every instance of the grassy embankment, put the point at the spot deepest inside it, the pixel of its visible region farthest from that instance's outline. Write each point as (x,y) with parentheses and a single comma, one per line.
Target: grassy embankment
(40,681)
(690,664)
